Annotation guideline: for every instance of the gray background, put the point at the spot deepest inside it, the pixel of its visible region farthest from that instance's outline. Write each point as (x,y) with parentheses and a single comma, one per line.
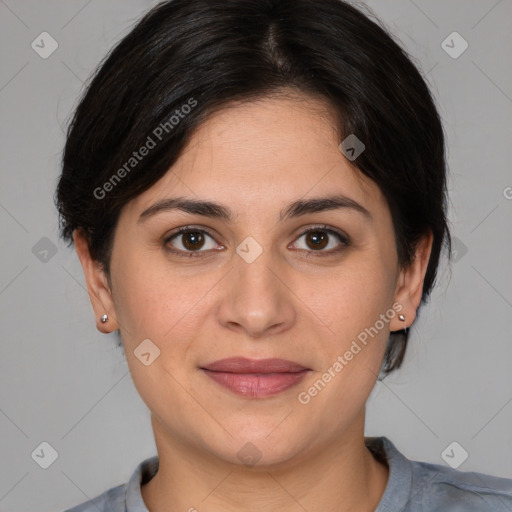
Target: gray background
(66,384)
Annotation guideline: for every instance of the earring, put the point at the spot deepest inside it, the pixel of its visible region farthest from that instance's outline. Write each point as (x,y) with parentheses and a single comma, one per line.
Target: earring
(104,318)
(401,318)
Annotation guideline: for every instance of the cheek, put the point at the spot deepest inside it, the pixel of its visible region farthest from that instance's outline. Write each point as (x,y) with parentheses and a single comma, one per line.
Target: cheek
(142,298)
(153,304)
(352,297)
(354,302)
(153,300)
(353,348)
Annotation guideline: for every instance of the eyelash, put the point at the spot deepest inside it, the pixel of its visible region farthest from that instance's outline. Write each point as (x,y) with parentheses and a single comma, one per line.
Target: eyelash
(345,242)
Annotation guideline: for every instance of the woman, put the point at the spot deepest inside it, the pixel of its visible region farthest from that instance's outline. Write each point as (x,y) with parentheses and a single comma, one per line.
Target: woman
(256,190)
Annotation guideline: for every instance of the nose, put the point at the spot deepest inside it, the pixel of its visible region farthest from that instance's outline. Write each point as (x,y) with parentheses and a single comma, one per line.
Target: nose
(257,300)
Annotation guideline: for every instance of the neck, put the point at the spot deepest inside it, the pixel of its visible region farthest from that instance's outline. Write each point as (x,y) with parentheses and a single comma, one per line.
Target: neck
(342,476)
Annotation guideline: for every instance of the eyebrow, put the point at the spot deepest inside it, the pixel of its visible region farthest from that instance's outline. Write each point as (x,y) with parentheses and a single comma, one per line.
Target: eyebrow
(218,211)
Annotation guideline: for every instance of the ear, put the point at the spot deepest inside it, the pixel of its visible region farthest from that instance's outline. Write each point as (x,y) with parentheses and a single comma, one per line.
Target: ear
(410,284)
(97,284)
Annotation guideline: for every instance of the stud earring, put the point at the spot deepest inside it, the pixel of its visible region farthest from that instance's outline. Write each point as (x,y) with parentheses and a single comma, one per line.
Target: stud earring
(104,318)
(401,318)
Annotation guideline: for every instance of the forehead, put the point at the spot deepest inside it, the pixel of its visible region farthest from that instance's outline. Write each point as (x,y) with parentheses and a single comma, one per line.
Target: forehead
(258,156)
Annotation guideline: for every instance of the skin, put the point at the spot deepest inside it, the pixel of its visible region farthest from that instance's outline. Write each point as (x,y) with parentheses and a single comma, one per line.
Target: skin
(256,158)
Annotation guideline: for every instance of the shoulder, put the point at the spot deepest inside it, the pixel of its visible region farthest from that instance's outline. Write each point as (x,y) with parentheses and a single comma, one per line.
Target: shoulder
(112,500)
(451,489)
(126,497)
(415,486)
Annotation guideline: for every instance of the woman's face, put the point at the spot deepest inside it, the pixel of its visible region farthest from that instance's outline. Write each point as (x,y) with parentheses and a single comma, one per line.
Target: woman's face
(257,285)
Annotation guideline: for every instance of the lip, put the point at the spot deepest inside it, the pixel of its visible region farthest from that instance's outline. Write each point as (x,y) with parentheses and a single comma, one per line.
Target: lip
(255,378)
(245,365)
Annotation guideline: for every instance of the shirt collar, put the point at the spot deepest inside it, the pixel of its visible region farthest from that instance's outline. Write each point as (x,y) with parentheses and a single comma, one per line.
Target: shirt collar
(144,472)
(399,487)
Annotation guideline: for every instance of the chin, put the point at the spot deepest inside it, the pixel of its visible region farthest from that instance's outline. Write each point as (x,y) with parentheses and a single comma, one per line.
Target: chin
(262,448)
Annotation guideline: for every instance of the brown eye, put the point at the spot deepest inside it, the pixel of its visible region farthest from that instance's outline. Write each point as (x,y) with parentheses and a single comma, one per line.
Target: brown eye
(188,241)
(322,240)
(192,240)
(317,239)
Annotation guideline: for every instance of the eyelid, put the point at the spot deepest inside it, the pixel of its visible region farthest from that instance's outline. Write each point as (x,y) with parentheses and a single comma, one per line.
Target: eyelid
(343,238)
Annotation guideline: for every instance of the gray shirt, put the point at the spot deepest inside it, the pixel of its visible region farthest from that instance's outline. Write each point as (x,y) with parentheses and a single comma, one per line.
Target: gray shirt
(412,487)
